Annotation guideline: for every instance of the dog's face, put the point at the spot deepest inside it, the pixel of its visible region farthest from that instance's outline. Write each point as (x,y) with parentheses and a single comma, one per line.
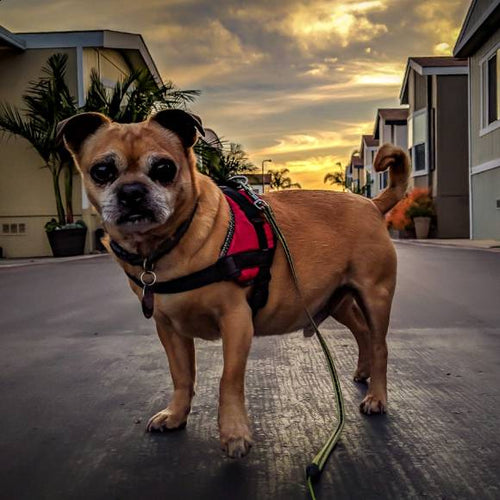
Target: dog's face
(136,175)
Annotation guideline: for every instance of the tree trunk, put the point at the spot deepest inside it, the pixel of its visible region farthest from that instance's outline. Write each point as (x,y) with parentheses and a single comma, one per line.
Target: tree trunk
(68,191)
(57,193)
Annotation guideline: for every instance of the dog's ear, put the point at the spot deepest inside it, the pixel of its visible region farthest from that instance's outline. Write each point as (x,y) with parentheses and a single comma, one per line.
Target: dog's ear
(75,130)
(181,122)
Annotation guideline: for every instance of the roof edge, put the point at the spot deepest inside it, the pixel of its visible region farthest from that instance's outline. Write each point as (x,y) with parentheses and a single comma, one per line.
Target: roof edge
(466,44)
(92,38)
(12,39)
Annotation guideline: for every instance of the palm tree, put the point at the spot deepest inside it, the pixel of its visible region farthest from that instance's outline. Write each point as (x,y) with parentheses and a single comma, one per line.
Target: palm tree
(336,178)
(280,180)
(222,163)
(46,102)
(132,99)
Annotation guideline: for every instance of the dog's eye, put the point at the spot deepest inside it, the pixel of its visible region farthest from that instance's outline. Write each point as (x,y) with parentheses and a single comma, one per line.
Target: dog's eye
(163,171)
(103,173)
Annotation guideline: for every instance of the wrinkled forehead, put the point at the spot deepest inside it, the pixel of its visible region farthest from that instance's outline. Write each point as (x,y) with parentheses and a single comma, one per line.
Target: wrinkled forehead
(132,142)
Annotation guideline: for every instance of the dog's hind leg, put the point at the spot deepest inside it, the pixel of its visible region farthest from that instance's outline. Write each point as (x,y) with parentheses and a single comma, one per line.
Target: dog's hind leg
(347,311)
(376,305)
(181,360)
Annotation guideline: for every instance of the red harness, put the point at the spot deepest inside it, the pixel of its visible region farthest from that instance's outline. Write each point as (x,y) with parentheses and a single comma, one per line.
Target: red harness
(249,231)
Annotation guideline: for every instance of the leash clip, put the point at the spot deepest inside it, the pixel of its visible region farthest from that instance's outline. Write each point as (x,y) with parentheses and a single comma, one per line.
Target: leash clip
(257,201)
(260,204)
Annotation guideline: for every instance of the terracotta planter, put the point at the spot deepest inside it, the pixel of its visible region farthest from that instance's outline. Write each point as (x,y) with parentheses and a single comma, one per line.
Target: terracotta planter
(422,225)
(67,242)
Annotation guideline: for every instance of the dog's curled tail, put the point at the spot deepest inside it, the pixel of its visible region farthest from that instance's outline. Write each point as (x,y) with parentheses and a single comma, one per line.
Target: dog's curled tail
(397,161)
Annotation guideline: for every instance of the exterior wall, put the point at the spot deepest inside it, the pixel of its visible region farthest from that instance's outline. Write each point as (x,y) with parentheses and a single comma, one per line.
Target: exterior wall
(420,99)
(26,192)
(484,156)
(451,157)
(417,127)
(370,175)
(110,65)
(401,136)
(485,191)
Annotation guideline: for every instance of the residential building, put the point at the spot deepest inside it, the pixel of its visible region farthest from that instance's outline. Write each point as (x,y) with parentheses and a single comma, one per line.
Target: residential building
(390,127)
(368,150)
(354,174)
(479,41)
(26,197)
(435,88)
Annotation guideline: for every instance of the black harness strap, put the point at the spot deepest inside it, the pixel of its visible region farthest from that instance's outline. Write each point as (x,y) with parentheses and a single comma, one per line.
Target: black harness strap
(225,269)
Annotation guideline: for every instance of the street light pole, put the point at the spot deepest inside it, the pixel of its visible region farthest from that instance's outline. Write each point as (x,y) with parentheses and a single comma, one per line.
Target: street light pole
(264,161)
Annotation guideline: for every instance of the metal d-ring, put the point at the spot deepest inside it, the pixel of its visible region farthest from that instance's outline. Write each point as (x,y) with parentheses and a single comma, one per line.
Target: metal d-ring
(148,273)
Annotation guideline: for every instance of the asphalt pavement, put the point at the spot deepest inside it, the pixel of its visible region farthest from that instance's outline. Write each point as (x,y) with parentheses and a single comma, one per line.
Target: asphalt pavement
(81,372)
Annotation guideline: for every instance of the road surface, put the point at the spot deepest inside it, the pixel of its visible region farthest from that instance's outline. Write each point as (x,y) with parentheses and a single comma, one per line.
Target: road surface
(81,372)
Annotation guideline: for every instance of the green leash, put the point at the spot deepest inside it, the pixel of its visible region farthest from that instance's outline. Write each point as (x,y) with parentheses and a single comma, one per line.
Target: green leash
(315,468)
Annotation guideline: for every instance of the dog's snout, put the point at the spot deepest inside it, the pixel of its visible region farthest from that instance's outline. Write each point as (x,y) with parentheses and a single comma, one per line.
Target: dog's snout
(132,195)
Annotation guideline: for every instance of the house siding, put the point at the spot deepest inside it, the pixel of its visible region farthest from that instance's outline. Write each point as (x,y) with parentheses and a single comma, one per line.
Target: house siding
(487,147)
(111,66)
(451,156)
(26,192)
(485,186)
(420,99)
(485,193)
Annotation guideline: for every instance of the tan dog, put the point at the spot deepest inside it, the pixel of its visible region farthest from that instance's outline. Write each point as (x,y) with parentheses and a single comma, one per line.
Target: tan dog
(142,178)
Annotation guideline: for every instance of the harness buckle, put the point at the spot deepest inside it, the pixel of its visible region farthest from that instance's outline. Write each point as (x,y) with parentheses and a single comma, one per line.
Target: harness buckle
(228,267)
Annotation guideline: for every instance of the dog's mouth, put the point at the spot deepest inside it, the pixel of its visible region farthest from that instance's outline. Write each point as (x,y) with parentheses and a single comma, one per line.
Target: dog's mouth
(137,219)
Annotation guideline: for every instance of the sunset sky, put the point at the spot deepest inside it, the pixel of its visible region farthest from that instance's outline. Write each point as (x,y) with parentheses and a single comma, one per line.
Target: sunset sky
(294,81)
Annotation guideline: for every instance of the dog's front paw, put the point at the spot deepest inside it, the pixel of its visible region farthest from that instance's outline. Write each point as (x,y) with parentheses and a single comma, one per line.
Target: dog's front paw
(236,447)
(167,420)
(236,440)
(373,405)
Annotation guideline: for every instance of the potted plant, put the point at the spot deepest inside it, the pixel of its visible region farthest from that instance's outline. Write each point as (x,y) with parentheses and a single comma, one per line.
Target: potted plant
(421,211)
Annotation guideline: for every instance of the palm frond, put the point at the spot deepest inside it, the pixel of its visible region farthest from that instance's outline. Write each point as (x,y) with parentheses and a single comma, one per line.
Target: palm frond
(12,123)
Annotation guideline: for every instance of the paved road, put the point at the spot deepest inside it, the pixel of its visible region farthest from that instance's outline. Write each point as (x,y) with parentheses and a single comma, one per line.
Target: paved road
(81,372)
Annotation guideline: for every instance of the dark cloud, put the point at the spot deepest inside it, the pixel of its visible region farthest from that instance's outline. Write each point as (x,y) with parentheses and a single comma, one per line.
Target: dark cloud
(272,70)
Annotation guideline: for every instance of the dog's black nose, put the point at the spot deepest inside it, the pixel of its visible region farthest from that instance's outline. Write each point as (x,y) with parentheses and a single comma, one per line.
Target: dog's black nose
(132,195)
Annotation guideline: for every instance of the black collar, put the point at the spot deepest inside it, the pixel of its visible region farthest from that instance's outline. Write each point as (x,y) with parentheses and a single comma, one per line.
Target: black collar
(147,262)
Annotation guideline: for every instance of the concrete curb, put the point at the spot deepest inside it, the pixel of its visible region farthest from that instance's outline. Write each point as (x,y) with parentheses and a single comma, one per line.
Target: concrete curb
(489,245)
(37,261)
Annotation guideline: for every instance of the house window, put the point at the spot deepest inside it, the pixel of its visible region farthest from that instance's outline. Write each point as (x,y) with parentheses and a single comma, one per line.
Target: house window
(490,87)
(418,156)
(493,82)
(383,179)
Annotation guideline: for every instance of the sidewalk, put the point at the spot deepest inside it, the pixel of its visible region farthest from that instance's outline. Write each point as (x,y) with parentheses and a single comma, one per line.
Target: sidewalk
(461,243)
(33,261)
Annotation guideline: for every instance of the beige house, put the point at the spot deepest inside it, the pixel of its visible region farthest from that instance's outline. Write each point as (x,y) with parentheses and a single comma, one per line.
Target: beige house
(390,126)
(435,88)
(479,41)
(26,198)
